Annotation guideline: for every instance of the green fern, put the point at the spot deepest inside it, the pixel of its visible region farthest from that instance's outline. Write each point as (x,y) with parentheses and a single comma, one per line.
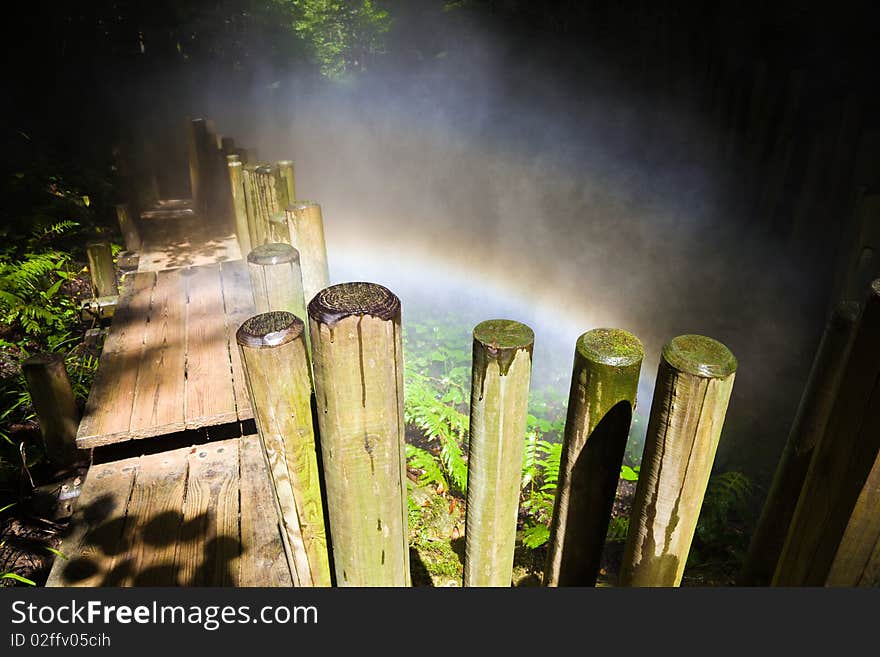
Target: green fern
(423,460)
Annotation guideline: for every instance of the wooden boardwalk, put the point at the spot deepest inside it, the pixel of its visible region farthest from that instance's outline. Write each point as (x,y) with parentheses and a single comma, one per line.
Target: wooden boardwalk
(196,516)
(199,515)
(170,361)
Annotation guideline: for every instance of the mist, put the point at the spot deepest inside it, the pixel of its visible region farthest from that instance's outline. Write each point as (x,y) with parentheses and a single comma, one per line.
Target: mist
(567,201)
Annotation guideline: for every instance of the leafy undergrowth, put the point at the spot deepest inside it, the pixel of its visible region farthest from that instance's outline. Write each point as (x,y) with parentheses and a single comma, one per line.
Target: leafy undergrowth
(43,279)
(437,380)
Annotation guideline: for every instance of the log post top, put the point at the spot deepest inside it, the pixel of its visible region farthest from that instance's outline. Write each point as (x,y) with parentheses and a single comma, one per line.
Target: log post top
(335,303)
(612,347)
(700,356)
(276,253)
(502,338)
(270,329)
(42,358)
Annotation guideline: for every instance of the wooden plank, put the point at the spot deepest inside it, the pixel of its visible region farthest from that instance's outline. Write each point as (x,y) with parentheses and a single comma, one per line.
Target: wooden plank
(108,411)
(238,300)
(210,543)
(96,528)
(209,396)
(263,562)
(154,520)
(158,405)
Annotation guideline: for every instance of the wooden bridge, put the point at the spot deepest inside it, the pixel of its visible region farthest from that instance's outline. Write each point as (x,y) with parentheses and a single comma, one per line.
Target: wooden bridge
(179,493)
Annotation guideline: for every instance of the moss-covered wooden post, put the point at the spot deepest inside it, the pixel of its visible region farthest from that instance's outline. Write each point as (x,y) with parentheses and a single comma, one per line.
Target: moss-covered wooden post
(358,370)
(53,400)
(604,383)
(841,463)
(806,432)
(277,371)
(101,269)
(502,368)
(285,170)
(694,381)
(128,227)
(306,227)
(276,280)
(239,209)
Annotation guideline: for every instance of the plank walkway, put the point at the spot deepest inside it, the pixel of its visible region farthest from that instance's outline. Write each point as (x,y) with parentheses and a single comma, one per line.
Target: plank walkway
(195,515)
(202,515)
(170,361)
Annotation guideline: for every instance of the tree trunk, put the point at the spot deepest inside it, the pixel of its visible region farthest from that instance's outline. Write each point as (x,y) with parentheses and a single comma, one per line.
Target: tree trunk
(358,369)
(604,384)
(693,387)
(502,367)
(277,370)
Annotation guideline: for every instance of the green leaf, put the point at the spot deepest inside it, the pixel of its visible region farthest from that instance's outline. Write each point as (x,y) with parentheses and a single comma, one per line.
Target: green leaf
(628,474)
(534,536)
(57,553)
(18,578)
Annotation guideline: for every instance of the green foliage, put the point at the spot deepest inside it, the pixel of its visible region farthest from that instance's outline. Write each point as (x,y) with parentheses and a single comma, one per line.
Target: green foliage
(17,578)
(629,474)
(30,287)
(617,529)
(720,541)
(344,35)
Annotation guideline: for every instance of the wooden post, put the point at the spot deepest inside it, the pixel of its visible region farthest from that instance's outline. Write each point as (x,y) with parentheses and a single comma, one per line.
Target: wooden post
(196,136)
(857,561)
(502,367)
(358,368)
(694,382)
(128,227)
(101,269)
(807,430)
(273,354)
(307,236)
(236,186)
(841,462)
(276,281)
(604,383)
(54,402)
(256,225)
(285,170)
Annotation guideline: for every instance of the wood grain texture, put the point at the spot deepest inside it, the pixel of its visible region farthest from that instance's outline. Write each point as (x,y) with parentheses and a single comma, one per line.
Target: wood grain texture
(238,303)
(857,561)
(95,532)
(263,562)
(694,381)
(841,463)
(153,521)
(158,405)
(502,366)
(604,384)
(209,395)
(210,543)
(279,383)
(107,415)
(358,371)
